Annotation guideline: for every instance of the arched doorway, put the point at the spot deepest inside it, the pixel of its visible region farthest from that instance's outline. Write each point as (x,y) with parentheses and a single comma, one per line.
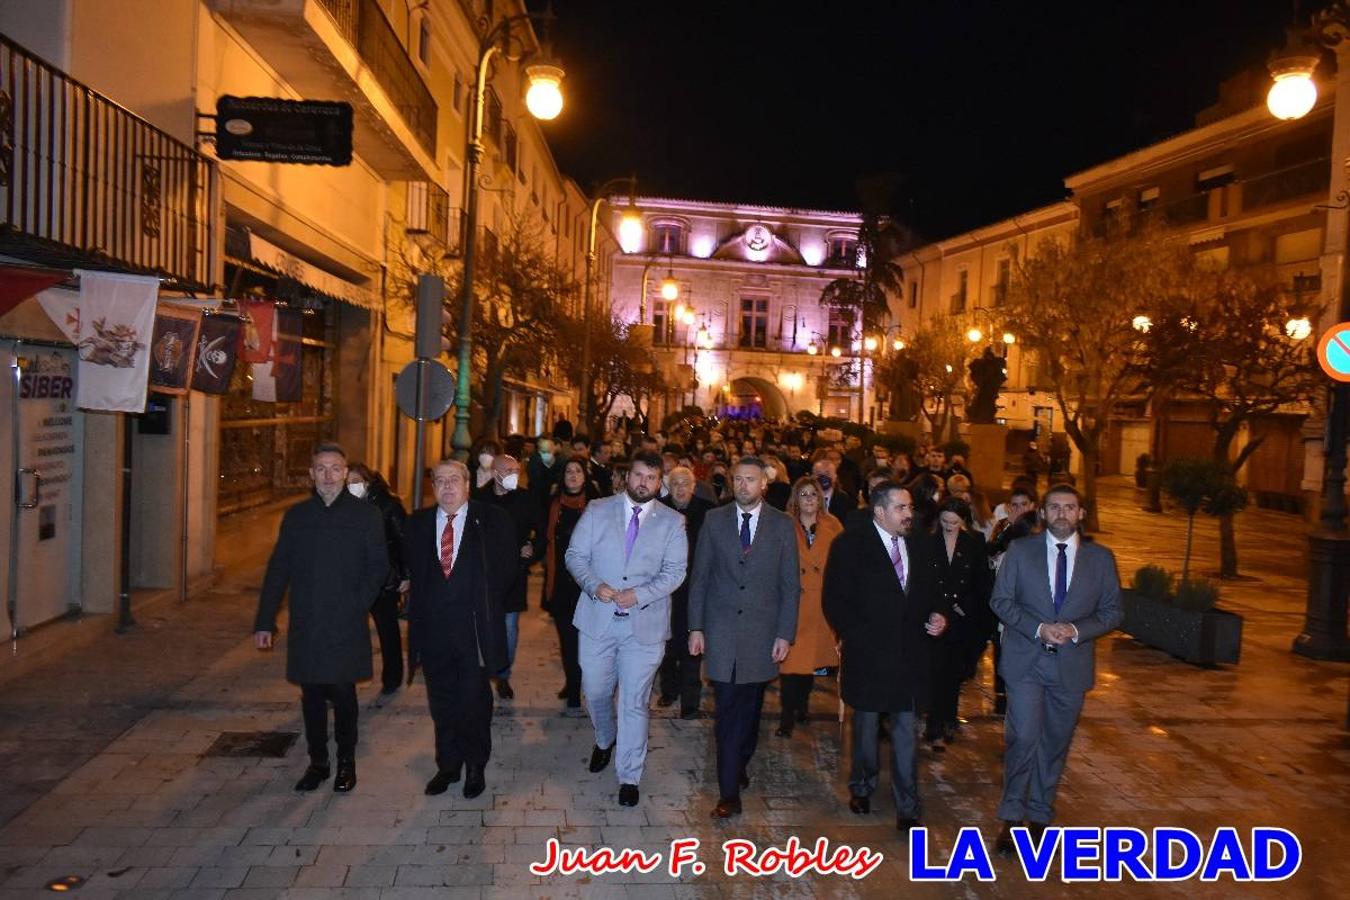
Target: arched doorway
(752,398)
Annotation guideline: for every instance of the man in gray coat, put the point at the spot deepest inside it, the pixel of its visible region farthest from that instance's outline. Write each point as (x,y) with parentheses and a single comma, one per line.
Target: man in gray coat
(628,553)
(331,554)
(1056,593)
(743,598)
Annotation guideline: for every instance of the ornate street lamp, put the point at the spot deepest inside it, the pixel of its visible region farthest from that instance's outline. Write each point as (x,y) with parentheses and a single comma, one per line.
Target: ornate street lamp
(1293,95)
(543,99)
(630,238)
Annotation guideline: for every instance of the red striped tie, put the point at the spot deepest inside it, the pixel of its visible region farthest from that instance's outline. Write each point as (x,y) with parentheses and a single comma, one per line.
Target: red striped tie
(448,546)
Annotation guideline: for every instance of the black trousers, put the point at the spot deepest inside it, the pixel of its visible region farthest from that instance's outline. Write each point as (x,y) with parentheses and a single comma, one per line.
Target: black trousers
(567,646)
(947,667)
(681,674)
(385,613)
(460,699)
(314,700)
(794,693)
(736,731)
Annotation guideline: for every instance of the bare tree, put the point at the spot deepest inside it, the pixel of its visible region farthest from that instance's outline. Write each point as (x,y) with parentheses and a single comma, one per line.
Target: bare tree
(621,366)
(929,373)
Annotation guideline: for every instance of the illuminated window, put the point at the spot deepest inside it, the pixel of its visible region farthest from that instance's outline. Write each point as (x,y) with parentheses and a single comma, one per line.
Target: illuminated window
(842,252)
(754,321)
(424,41)
(668,238)
(840,330)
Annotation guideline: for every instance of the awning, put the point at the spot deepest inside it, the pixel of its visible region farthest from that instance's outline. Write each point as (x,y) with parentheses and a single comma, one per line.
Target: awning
(274,259)
(18,283)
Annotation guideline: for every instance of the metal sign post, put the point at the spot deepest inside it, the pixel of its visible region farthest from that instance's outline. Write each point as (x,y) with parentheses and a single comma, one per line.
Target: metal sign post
(424,389)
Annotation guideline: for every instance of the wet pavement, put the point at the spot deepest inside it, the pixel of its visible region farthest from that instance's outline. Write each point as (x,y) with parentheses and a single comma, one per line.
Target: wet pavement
(102,772)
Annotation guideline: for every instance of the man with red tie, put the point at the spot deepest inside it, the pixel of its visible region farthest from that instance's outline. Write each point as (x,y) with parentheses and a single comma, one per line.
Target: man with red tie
(461,558)
(882,599)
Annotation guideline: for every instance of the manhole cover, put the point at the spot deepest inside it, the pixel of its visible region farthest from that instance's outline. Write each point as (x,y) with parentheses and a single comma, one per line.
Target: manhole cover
(272,744)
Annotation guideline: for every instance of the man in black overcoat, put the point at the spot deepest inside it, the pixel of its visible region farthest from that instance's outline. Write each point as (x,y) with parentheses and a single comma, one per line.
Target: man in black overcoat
(680,673)
(882,598)
(461,557)
(331,554)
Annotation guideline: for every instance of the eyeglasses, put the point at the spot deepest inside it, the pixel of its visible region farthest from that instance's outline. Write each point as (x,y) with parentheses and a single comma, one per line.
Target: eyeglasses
(807,495)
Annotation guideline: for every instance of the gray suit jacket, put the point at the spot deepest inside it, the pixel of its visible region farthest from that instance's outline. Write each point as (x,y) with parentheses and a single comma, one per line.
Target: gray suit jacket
(595,556)
(743,602)
(1022,599)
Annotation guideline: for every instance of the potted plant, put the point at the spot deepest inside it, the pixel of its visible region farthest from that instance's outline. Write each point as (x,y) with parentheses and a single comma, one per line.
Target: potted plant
(1197,484)
(1181,618)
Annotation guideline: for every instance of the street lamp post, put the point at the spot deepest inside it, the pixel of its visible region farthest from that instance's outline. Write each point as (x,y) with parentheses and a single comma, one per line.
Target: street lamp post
(630,230)
(544,100)
(1292,96)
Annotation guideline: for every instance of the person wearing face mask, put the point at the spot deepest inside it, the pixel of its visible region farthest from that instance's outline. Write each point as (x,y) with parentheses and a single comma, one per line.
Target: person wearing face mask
(780,489)
(527,518)
(836,503)
(680,672)
(364,483)
(543,469)
(482,470)
(561,590)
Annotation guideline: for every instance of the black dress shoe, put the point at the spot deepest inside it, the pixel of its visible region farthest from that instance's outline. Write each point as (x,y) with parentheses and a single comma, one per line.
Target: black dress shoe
(345,779)
(314,776)
(1000,704)
(628,795)
(504,689)
(1003,846)
(725,809)
(783,731)
(1036,831)
(562,692)
(666,700)
(441,782)
(860,805)
(801,717)
(390,689)
(474,782)
(689,712)
(903,824)
(600,758)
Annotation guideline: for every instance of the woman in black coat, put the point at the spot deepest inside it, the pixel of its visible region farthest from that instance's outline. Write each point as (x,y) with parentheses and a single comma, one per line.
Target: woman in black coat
(366,484)
(965,581)
(561,590)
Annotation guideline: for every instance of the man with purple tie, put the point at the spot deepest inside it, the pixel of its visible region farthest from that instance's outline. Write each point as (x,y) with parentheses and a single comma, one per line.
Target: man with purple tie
(1056,593)
(628,554)
(883,600)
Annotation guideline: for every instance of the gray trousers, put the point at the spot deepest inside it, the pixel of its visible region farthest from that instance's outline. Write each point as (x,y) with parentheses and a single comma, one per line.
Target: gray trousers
(1037,731)
(862,781)
(617,663)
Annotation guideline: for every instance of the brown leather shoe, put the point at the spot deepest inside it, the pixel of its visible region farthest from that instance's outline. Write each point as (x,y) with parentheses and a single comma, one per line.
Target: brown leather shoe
(725,809)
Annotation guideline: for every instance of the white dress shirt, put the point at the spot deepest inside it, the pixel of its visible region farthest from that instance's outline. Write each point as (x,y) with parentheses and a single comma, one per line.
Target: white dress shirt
(890,548)
(1052,558)
(442,520)
(646,509)
(754,518)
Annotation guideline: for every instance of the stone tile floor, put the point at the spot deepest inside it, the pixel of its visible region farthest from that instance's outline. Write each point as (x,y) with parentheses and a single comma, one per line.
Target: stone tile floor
(102,773)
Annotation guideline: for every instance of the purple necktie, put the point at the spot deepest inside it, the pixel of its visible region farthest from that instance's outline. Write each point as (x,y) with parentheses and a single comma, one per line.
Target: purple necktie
(631,537)
(897,560)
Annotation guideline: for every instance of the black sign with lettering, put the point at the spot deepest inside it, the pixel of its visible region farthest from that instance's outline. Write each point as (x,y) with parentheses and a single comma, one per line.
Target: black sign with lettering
(267,129)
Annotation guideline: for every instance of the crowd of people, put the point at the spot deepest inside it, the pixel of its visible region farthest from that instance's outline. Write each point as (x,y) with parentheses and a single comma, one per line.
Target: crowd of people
(736,553)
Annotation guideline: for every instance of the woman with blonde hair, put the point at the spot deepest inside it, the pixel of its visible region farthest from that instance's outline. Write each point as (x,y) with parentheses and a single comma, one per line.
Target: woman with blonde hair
(780,488)
(814,647)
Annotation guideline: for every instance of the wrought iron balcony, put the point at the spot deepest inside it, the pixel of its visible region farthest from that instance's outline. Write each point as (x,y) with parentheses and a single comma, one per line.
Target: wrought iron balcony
(85,182)
(429,212)
(1302,180)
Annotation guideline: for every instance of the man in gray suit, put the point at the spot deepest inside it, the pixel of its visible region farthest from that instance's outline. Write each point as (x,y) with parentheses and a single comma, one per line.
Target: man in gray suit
(628,553)
(1056,593)
(743,599)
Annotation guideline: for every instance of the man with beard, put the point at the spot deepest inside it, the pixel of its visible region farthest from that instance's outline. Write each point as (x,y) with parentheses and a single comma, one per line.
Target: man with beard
(1056,594)
(743,599)
(462,558)
(883,600)
(628,553)
(679,671)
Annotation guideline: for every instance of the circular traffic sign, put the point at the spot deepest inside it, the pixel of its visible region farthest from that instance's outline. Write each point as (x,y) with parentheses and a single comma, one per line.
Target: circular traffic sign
(1333,352)
(438,389)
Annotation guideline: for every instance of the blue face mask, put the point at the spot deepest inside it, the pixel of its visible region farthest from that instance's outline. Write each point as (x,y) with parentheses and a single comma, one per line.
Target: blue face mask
(825,482)
(546,457)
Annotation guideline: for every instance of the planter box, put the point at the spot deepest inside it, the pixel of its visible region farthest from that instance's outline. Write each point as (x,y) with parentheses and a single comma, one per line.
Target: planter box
(1204,638)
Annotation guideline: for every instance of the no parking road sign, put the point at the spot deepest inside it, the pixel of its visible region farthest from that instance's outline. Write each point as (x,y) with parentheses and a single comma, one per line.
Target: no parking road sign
(1333,351)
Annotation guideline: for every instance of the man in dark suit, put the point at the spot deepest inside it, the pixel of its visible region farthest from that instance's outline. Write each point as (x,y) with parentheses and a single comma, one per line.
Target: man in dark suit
(462,557)
(528,520)
(743,599)
(1056,594)
(836,500)
(882,599)
(331,555)
(679,672)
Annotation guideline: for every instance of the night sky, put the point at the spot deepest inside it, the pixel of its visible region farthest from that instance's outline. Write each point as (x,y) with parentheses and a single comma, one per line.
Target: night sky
(971,111)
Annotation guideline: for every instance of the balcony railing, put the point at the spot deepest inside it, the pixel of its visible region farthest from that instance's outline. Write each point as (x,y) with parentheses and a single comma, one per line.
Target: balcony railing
(85,182)
(429,212)
(365,27)
(1311,177)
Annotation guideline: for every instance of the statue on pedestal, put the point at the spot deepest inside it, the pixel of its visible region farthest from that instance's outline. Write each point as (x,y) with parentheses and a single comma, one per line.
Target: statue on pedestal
(988,374)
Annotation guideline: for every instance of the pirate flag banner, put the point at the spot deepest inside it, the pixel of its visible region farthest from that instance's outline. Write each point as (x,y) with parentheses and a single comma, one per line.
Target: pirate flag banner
(279,379)
(109,322)
(255,337)
(172,349)
(216,344)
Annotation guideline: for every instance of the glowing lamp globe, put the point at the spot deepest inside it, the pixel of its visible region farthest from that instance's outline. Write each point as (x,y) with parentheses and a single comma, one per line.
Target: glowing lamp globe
(812,349)
(630,232)
(1298,329)
(670,289)
(1142,324)
(1009,338)
(870,344)
(974,335)
(898,344)
(544,97)
(836,352)
(1292,95)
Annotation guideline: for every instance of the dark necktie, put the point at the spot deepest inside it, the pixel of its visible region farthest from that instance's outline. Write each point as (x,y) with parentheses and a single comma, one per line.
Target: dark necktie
(448,546)
(745,532)
(1061,577)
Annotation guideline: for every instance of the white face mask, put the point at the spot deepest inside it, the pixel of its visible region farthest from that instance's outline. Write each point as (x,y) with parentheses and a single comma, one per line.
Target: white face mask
(485,460)
(510,482)
(357,489)
(771,473)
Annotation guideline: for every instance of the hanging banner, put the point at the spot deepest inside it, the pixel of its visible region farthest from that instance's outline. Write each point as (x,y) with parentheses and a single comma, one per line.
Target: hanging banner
(172,349)
(279,379)
(216,345)
(255,337)
(18,283)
